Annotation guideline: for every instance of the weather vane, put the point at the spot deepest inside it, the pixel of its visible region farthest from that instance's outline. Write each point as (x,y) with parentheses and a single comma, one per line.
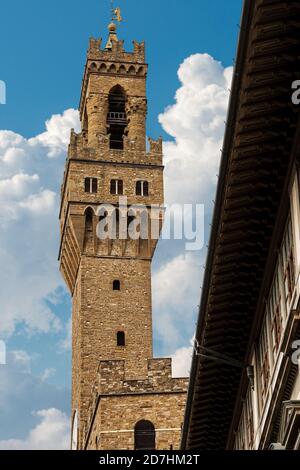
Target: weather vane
(116,12)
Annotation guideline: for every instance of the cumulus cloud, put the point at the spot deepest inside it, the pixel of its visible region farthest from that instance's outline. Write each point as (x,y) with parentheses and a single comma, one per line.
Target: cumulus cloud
(196,123)
(181,361)
(22,395)
(30,177)
(52,433)
(176,291)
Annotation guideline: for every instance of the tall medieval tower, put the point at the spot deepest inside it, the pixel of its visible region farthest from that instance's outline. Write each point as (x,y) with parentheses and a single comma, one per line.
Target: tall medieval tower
(117,386)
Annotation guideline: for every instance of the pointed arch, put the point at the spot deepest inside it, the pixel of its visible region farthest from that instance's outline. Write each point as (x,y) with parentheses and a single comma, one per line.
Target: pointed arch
(103,68)
(122,69)
(89,216)
(112,69)
(132,70)
(116,118)
(93,66)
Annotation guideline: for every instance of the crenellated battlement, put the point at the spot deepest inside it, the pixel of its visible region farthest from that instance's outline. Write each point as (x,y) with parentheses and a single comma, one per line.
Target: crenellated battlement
(117,52)
(79,150)
(111,381)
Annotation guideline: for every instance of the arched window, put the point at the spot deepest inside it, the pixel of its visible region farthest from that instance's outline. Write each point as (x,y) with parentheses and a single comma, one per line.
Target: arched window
(142,188)
(89,213)
(144,436)
(116,285)
(120,338)
(116,118)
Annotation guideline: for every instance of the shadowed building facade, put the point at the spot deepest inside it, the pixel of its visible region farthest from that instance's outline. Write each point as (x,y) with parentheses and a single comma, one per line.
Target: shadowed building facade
(244,390)
(122,398)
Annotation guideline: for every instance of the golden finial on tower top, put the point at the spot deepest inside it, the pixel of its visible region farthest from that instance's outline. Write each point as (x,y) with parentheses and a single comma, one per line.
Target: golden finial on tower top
(112,27)
(117,15)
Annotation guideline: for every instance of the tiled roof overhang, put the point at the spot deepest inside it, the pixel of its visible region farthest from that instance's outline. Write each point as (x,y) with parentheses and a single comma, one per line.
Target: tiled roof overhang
(256,155)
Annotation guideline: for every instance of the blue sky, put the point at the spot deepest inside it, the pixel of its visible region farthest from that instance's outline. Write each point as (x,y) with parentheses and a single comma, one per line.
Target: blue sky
(43,46)
(42,55)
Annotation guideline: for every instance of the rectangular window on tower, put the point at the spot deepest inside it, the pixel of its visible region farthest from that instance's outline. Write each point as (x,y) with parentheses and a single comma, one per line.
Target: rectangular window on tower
(142,188)
(91,185)
(116,187)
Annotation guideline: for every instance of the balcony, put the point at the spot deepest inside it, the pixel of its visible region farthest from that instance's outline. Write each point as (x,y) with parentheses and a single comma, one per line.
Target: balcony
(117,118)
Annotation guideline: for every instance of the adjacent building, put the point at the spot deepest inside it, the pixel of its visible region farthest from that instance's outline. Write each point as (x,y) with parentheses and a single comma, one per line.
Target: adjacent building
(244,390)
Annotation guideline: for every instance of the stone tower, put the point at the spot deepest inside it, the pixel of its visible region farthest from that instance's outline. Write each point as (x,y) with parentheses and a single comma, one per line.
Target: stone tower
(108,166)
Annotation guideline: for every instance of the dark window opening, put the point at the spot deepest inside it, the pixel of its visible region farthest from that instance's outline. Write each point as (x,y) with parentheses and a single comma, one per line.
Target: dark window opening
(89,219)
(116,285)
(116,118)
(117,215)
(144,436)
(91,185)
(142,188)
(120,338)
(116,187)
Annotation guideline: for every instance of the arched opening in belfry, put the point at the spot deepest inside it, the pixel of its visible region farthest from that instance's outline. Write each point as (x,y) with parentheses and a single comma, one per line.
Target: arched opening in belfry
(144,435)
(116,118)
(89,213)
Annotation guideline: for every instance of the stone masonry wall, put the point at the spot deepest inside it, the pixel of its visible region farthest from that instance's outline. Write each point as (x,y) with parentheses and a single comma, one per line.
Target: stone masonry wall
(101,312)
(118,404)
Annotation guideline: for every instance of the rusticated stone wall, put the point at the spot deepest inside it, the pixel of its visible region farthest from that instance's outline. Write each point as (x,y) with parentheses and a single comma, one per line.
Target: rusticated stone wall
(118,404)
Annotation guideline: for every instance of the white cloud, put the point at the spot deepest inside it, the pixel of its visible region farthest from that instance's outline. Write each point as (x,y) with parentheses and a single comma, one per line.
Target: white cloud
(21,360)
(30,176)
(57,135)
(52,433)
(196,122)
(22,393)
(181,362)
(41,203)
(48,373)
(176,288)
(66,343)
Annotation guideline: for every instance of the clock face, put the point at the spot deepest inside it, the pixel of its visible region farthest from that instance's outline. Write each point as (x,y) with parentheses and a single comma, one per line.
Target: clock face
(75,431)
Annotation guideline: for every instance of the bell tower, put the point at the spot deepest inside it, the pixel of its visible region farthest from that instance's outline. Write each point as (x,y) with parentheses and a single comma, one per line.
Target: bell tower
(109,168)
(110,280)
